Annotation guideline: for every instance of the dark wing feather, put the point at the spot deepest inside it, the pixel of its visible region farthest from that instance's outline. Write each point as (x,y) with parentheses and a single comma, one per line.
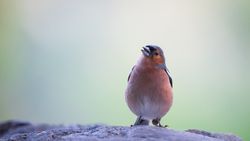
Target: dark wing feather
(130,73)
(170,78)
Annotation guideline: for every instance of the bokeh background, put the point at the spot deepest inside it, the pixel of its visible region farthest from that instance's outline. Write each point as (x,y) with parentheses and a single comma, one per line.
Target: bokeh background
(67,61)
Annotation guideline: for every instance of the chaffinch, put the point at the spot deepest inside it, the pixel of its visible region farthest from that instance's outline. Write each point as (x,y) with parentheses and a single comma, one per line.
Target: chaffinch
(149,90)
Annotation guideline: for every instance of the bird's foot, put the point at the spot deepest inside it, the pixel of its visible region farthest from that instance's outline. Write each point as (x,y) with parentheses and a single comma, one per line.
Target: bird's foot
(157,123)
(162,126)
(140,121)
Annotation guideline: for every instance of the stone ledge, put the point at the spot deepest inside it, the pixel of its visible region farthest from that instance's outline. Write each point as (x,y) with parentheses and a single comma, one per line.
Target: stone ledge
(24,131)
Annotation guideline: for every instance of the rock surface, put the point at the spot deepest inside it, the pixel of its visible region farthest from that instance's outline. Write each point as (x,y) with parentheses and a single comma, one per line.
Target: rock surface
(24,131)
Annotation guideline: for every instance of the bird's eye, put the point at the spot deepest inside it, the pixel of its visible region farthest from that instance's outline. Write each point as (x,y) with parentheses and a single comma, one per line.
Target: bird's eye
(156,54)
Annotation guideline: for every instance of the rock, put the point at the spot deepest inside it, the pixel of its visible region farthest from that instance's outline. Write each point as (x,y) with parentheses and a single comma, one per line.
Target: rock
(24,131)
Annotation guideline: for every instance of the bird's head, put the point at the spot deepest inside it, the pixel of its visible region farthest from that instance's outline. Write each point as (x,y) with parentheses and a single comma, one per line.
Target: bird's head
(153,53)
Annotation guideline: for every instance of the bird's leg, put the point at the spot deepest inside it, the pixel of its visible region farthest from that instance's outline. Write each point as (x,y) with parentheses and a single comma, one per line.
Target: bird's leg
(156,122)
(137,121)
(140,121)
(144,122)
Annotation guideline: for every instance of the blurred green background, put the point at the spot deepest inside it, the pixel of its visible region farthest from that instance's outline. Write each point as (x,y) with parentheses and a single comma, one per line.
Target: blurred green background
(67,61)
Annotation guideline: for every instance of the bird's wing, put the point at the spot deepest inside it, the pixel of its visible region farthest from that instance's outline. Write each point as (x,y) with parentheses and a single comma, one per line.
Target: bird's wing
(169,76)
(130,73)
(164,67)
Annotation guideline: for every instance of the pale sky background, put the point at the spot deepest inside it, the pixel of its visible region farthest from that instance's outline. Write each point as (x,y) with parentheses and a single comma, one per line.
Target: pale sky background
(67,61)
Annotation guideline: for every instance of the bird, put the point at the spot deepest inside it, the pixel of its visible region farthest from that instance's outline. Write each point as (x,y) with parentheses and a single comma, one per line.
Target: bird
(149,93)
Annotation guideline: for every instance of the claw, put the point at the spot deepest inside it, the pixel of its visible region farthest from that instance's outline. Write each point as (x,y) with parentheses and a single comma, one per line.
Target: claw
(157,123)
(163,126)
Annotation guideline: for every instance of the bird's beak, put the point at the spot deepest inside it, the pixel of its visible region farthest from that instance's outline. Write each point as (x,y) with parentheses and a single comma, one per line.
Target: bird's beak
(146,51)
